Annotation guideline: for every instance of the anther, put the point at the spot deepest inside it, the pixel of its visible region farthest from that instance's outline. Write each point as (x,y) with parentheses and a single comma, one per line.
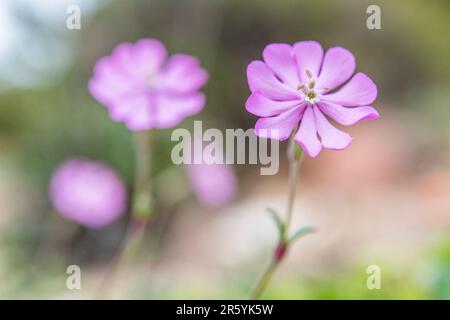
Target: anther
(303,88)
(305,91)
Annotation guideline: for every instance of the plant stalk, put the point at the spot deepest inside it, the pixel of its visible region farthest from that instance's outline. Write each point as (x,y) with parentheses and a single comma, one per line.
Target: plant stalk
(142,212)
(295,155)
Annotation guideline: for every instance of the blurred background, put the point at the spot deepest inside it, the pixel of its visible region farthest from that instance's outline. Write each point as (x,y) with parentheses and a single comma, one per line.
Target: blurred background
(384,201)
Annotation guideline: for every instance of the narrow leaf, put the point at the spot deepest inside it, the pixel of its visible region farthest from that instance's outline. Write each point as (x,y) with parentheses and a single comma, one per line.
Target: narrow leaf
(276,218)
(301,232)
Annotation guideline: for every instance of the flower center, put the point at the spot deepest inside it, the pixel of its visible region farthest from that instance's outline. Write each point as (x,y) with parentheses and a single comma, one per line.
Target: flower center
(311,95)
(308,91)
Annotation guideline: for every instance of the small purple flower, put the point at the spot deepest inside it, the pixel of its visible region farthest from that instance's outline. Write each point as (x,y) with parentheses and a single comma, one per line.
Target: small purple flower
(87,192)
(214,184)
(144,89)
(300,85)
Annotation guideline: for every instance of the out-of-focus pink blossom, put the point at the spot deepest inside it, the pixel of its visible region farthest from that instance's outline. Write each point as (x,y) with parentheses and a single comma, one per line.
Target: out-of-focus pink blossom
(298,86)
(214,184)
(88,192)
(143,88)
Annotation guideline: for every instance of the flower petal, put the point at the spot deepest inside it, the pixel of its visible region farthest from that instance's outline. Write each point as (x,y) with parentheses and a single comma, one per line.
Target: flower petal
(215,185)
(359,91)
(347,116)
(141,59)
(109,82)
(182,74)
(280,59)
(171,109)
(307,134)
(308,55)
(263,107)
(261,79)
(281,126)
(338,66)
(137,111)
(331,137)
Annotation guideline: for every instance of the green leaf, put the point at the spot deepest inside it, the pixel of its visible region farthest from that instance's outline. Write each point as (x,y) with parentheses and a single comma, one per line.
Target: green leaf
(301,233)
(276,218)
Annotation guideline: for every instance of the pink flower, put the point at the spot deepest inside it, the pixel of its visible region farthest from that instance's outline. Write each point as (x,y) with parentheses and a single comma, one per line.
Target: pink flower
(300,85)
(214,184)
(87,192)
(144,89)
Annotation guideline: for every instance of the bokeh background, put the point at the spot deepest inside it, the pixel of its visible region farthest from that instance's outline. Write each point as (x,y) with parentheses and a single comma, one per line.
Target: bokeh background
(384,201)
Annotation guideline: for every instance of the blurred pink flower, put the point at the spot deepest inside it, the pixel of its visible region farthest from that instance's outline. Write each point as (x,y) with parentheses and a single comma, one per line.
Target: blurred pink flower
(297,84)
(87,192)
(214,184)
(144,89)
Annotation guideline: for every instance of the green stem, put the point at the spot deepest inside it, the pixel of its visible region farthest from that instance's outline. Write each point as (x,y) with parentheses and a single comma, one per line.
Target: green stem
(264,280)
(142,212)
(142,209)
(295,155)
